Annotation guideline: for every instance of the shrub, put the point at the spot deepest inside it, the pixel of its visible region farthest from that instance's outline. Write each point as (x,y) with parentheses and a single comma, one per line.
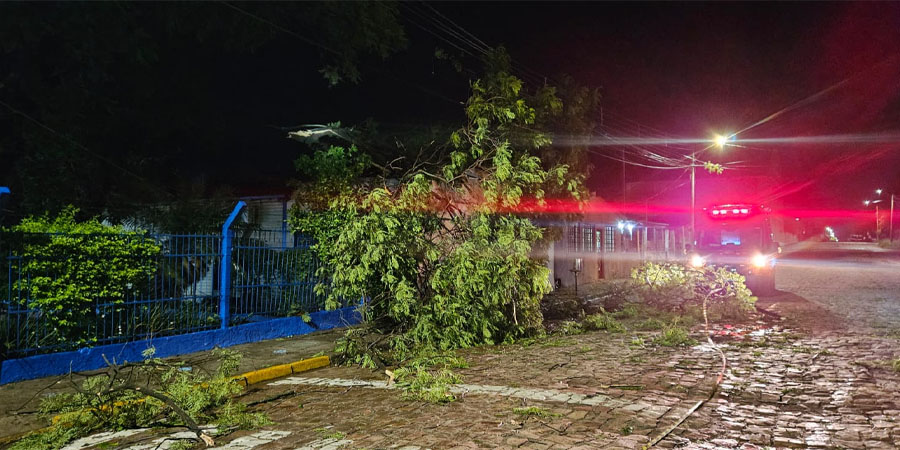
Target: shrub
(676,286)
(68,267)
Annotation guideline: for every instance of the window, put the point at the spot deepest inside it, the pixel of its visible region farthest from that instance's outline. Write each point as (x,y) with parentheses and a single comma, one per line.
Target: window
(610,240)
(587,239)
(572,238)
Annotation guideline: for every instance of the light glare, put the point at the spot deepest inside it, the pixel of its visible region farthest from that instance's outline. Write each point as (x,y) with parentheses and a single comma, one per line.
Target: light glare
(721,140)
(697,260)
(759,260)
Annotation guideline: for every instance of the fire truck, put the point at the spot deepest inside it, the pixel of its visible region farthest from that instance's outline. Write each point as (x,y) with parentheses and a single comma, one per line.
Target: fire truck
(738,236)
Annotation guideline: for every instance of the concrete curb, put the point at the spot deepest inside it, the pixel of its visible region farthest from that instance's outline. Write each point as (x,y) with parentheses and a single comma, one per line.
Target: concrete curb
(282,370)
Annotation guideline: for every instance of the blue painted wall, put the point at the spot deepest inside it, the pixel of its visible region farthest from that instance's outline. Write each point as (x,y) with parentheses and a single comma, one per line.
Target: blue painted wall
(39,366)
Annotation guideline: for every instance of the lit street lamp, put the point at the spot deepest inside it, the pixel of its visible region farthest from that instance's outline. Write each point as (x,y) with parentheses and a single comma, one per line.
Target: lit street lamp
(877,226)
(891,218)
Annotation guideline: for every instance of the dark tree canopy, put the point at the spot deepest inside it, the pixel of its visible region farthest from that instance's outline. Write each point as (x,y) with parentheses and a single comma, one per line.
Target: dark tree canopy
(107,105)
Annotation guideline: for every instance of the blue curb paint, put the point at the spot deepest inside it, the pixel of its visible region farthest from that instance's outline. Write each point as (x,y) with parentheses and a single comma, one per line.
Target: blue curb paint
(87,359)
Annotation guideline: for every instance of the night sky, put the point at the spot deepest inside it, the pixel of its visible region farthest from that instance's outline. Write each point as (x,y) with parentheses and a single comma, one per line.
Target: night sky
(694,69)
(678,69)
(686,70)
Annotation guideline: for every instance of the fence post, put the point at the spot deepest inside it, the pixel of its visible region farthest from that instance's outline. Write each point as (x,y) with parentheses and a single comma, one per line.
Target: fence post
(3,190)
(225,265)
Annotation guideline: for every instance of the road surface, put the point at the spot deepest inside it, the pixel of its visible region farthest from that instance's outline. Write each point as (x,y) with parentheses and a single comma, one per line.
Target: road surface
(857,282)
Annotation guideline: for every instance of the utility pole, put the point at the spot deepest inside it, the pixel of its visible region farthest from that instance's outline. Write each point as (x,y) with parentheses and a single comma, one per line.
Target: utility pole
(877,224)
(693,197)
(891,220)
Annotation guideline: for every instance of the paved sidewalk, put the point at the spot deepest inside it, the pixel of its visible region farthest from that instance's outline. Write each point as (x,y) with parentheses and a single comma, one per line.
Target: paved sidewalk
(19,401)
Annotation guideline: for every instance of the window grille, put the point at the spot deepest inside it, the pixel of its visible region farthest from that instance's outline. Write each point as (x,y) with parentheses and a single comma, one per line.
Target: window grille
(587,239)
(572,238)
(610,240)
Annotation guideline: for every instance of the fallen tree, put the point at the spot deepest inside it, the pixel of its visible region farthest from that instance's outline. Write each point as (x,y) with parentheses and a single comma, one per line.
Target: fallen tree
(432,243)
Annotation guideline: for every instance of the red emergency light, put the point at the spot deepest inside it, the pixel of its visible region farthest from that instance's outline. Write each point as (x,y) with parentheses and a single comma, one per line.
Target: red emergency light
(731,211)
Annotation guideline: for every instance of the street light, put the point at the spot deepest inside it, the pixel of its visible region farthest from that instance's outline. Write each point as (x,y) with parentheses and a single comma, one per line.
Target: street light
(891,219)
(877,227)
(721,140)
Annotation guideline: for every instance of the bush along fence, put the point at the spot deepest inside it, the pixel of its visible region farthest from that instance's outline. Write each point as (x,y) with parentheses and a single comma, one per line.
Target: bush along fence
(70,298)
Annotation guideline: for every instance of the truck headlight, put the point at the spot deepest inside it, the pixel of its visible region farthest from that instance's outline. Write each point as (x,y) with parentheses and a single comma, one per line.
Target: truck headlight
(697,260)
(760,260)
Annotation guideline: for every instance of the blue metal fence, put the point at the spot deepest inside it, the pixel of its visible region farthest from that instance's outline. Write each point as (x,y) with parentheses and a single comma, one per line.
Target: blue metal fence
(174,290)
(274,275)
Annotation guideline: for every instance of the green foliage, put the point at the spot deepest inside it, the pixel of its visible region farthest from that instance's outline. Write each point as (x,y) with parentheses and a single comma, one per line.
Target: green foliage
(713,168)
(603,321)
(895,364)
(569,328)
(629,311)
(327,434)
(429,376)
(434,251)
(650,324)
(69,266)
(359,347)
(674,336)
(534,411)
(669,286)
(636,342)
(131,396)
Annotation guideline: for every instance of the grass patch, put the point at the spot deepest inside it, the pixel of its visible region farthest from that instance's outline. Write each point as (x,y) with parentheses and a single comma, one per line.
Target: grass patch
(328,434)
(651,324)
(569,328)
(603,321)
(534,411)
(636,343)
(637,359)
(674,336)
(629,311)
(896,365)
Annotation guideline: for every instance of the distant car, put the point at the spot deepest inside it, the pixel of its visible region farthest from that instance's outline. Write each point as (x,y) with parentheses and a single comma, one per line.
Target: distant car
(859,238)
